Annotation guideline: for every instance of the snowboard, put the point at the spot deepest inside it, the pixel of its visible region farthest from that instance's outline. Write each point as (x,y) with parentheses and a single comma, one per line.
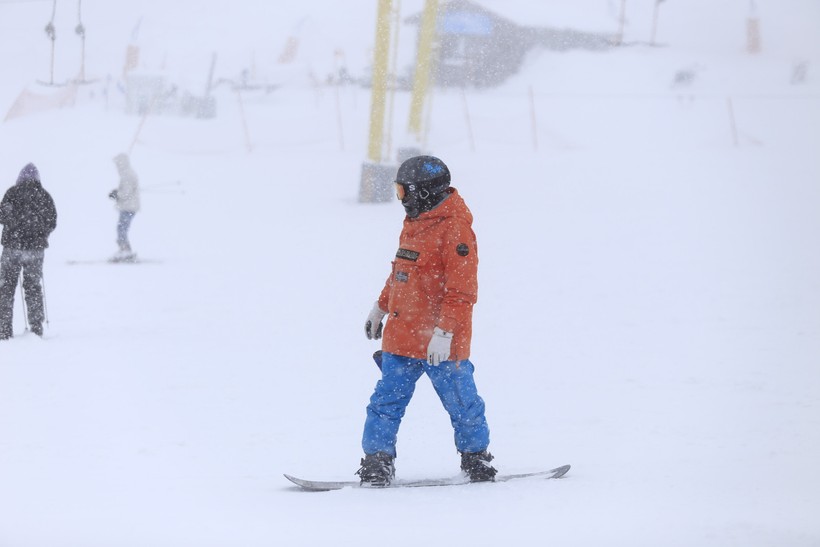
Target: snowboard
(324,486)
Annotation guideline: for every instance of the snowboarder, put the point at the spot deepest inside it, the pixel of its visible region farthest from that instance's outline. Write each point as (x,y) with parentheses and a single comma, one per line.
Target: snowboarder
(28,216)
(127,197)
(429,297)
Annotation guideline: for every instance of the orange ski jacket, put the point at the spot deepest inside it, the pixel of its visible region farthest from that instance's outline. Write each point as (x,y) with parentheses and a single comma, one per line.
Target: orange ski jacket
(433,282)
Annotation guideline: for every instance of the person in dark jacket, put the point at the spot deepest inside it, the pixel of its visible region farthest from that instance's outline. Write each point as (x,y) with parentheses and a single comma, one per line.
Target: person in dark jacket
(28,216)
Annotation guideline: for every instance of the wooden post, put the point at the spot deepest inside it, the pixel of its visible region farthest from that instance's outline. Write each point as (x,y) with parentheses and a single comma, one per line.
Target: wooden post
(753,30)
(80,30)
(654,22)
(52,35)
(753,35)
(339,119)
(732,122)
(210,84)
(132,58)
(621,23)
(533,121)
(245,131)
(467,119)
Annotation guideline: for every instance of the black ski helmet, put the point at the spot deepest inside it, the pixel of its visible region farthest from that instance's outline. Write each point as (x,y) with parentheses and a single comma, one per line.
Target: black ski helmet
(425,180)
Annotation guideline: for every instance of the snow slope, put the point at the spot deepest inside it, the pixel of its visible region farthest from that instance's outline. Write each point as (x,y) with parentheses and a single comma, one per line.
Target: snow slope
(649,304)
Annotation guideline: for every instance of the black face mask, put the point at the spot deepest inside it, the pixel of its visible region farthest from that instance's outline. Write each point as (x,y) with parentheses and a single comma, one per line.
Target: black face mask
(411,205)
(422,201)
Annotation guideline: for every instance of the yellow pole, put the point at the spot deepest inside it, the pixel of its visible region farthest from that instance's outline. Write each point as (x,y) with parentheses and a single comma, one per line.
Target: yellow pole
(392,83)
(379,81)
(424,59)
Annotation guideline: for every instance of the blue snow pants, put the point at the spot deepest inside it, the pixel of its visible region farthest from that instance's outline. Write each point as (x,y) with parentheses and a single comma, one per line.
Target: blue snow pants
(454,384)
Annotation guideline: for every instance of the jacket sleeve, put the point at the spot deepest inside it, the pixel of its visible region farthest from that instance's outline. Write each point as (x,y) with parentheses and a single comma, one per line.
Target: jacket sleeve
(384,297)
(460,260)
(5,208)
(51,217)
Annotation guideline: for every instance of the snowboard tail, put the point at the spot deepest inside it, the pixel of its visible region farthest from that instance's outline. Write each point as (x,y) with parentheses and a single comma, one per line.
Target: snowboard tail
(324,486)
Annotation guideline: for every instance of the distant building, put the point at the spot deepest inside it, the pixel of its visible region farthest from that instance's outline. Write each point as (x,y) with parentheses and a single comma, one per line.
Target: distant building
(480,48)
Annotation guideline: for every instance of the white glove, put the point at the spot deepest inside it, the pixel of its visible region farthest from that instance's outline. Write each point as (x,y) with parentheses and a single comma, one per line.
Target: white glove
(439,348)
(373,326)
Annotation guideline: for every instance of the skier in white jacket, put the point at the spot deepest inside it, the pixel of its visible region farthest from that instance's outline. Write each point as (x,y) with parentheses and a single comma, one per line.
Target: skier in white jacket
(127,196)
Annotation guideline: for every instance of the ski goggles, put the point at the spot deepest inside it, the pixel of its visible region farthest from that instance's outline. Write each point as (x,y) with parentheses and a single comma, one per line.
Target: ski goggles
(401,191)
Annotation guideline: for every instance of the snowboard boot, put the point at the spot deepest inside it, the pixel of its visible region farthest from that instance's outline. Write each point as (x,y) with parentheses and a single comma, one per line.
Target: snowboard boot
(37,328)
(477,466)
(377,470)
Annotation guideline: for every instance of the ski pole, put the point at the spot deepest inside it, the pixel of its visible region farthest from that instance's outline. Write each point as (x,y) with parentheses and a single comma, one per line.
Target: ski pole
(23,301)
(161,184)
(45,303)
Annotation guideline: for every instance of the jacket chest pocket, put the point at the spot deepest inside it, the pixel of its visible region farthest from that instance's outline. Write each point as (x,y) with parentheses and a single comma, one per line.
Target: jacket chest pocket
(422,275)
(404,272)
(409,266)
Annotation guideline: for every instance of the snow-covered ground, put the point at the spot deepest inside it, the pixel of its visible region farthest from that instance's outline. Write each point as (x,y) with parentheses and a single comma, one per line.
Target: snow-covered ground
(649,305)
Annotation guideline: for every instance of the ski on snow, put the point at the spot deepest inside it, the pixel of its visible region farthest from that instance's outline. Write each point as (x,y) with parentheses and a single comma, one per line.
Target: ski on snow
(324,486)
(134,260)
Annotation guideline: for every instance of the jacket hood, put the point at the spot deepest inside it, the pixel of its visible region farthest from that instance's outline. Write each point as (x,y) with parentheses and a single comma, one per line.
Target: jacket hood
(122,162)
(29,173)
(452,208)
